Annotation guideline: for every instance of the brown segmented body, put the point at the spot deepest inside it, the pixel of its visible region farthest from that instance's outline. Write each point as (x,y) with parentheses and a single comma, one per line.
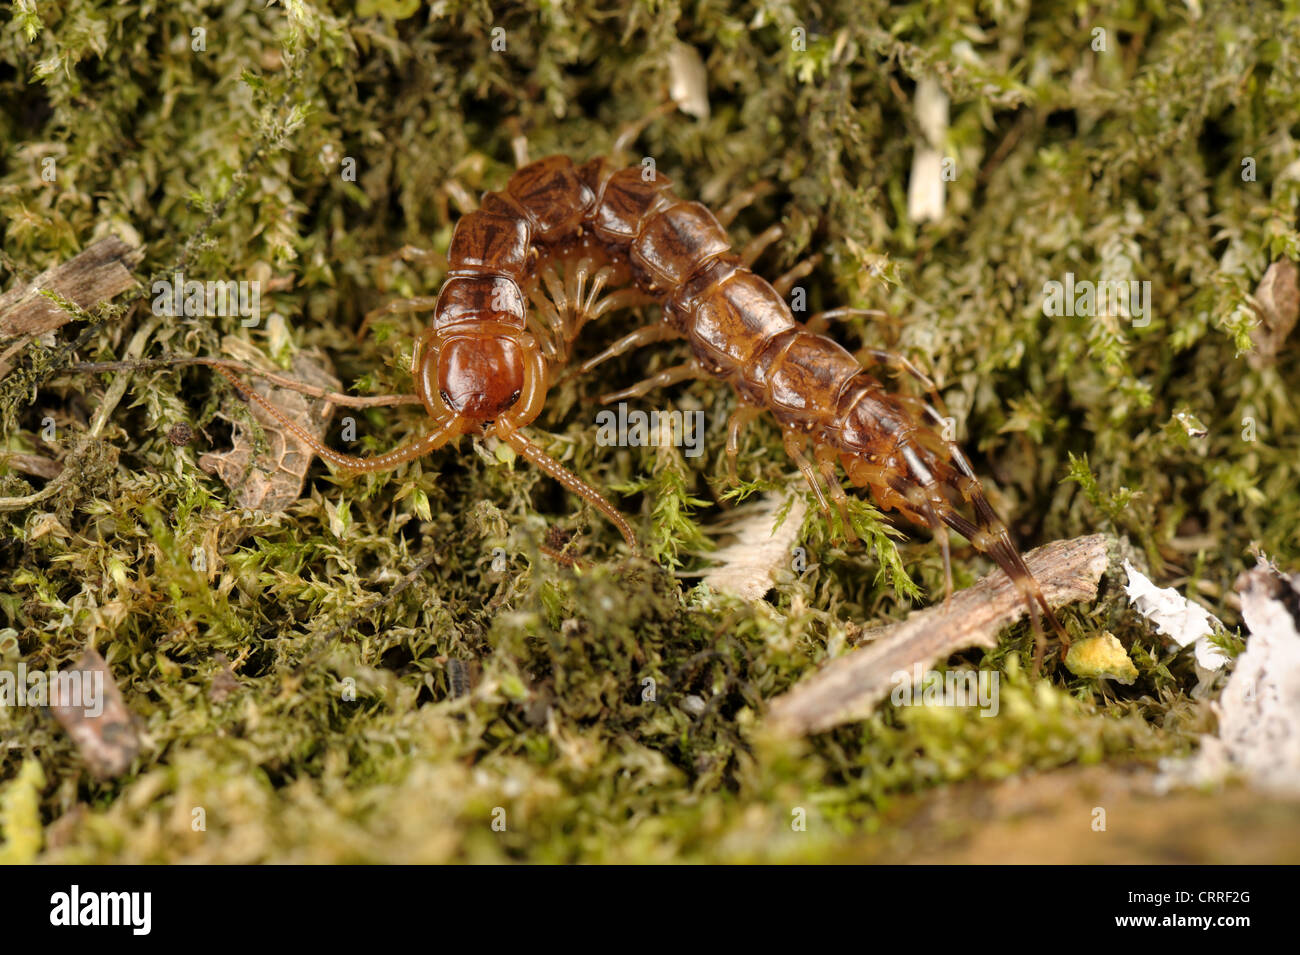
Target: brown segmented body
(480,367)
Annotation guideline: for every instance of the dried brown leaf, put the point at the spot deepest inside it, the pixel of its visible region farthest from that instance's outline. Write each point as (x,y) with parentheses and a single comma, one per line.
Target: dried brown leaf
(1277,301)
(107,740)
(275,480)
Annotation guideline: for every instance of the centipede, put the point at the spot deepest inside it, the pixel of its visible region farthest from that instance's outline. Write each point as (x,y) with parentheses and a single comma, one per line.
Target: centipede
(505,319)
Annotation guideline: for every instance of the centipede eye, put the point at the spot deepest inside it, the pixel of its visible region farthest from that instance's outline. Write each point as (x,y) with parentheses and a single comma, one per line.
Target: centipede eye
(446,398)
(515,396)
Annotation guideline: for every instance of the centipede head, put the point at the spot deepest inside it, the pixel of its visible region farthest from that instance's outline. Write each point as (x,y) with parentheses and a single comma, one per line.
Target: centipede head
(480,377)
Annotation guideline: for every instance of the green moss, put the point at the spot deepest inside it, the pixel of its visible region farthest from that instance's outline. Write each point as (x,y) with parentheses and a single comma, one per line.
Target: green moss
(20,815)
(347,737)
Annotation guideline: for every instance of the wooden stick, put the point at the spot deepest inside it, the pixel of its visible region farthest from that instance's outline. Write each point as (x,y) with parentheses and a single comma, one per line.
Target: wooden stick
(100,272)
(849,687)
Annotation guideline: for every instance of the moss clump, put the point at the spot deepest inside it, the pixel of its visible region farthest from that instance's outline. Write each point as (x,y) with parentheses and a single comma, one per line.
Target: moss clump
(608,714)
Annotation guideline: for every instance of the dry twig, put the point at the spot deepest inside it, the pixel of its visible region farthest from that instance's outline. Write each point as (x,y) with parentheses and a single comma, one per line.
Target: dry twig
(97,274)
(849,687)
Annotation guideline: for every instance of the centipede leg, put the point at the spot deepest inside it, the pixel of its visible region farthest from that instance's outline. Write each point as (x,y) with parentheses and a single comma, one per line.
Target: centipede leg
(518,142)
(402,306)
(665,378)
(545,323)
(623,298)
(922,502)
(896,362)
(743,414)
(822,320)
(785,282)
(826,457)
(645,335)
(628,134)
(794,444)
(545,339)
(583,296)
(578,304)
(418,256)
(755,247)
(414,255)
(940,531)
(727,214)
(464,200)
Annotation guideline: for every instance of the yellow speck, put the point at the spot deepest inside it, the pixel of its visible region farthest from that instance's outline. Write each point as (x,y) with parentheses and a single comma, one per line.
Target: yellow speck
(1102,656)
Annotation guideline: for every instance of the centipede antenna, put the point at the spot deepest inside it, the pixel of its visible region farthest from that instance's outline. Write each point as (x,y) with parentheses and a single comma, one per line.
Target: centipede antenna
(535,456)
(282,381)
(382,462)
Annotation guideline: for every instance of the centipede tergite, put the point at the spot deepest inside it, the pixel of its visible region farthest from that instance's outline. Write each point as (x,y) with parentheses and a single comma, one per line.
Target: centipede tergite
(484,364)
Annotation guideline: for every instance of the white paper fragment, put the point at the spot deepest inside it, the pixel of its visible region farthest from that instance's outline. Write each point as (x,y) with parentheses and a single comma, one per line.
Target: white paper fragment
(688,81)
(749,565)
(1259,711)
(926,191)
(1175,617)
